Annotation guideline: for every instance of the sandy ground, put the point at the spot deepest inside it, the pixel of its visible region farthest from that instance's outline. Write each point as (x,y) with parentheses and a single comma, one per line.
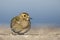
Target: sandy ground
(36,33)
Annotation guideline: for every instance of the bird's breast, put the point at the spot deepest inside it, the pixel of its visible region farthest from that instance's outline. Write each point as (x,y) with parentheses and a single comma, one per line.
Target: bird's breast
(24,24)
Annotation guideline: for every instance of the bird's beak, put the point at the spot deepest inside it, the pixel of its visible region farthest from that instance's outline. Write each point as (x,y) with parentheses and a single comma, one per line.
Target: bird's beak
(30,18)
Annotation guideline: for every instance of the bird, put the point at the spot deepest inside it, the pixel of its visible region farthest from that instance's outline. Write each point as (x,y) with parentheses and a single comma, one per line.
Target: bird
(21,23)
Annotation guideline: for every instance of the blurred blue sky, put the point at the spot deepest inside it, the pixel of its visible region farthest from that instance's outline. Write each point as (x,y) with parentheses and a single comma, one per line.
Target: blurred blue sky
(42,11)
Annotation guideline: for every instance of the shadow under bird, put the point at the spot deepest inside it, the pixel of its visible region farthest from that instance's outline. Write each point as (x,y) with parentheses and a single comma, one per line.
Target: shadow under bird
(21,23)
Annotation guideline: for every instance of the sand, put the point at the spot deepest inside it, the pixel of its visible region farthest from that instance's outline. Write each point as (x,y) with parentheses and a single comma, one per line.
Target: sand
(35,33)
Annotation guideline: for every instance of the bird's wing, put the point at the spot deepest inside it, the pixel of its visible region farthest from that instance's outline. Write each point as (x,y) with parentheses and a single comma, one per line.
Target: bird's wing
(14,21)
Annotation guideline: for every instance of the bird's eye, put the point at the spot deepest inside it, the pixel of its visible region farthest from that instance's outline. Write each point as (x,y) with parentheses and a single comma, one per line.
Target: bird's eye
(24,15)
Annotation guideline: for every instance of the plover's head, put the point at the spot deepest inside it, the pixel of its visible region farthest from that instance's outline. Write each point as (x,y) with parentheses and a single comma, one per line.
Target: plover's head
(25,16)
